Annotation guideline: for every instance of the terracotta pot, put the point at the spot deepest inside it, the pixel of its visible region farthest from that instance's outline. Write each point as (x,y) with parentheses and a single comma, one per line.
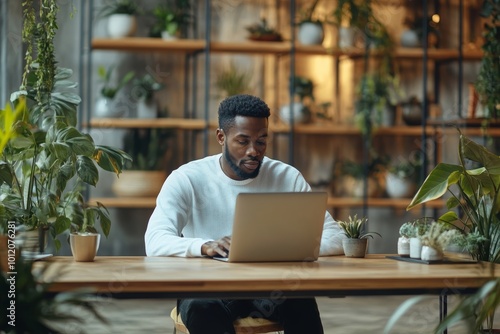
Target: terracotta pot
(136,183)
(354,247)
(84,246)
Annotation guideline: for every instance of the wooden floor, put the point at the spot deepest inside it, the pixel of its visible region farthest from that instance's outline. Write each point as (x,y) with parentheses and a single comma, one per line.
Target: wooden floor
(350,315)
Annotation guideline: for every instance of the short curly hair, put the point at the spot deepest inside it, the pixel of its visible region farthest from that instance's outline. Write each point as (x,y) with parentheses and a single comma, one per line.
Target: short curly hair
(241,105)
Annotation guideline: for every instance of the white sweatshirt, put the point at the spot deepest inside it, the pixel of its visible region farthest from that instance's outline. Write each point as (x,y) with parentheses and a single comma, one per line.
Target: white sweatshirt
(196,204)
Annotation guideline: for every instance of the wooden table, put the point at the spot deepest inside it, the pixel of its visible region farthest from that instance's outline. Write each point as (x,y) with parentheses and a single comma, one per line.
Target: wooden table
(170,277)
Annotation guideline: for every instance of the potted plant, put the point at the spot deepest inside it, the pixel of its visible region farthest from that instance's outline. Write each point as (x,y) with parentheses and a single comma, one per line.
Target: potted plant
(303,95)
(350,16)
(233,81)
(106,104)
(402,177)
(406,231)
(171,19)
(49,156)
(435,240)
(311,31)
(488,81)
(261,31)
(144,89)
(354,173)
(420,227)
(121,14)
(145,173)
(356,242)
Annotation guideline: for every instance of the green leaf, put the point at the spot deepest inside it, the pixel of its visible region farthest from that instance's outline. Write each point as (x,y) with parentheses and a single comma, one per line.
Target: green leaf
(436,184)
(401,310)
(110,159)
(87,171)
(479,153)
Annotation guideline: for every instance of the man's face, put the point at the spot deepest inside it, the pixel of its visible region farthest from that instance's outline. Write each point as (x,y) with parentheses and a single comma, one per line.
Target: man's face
(244,147)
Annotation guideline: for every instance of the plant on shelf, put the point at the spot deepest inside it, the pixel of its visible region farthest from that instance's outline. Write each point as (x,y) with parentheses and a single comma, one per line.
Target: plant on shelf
(233,81)
(302,91)
(402,178)
(106,104)
(144,89)
(145,173)
(354,175)
(354,229)
(311,30)
(121,16)
(261,31)
(488,80)
(49,156)
(171,19)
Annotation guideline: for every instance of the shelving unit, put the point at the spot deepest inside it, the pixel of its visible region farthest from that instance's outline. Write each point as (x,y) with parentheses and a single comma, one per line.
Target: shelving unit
(290,49)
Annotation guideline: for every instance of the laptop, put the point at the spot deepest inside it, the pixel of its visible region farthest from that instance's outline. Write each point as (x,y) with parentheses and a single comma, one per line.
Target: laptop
(275,227)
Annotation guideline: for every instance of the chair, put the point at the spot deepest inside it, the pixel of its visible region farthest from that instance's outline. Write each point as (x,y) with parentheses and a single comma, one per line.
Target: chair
(242,326)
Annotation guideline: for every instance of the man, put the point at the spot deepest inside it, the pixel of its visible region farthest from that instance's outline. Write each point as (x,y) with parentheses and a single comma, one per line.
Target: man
(195,208)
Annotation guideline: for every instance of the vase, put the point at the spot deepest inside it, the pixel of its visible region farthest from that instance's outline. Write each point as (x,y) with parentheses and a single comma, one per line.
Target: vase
(32,241)
(403,246)
(105,107)
(409,39)
(121,25)
(146,108)
(415,248)
(398,187)
(84,246)
(298,110)
(430,254)
(354,247)
(138,183)
(310,33)
(166,36)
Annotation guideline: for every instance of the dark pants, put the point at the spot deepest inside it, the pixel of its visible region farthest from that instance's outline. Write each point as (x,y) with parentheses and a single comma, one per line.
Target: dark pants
(297,316)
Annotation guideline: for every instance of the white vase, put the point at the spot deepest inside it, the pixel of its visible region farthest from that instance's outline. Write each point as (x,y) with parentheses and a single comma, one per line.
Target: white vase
(409,39)
(105,107)
(403,246)
(415,248)
(165,35)
(310,33)
(430,254)
(121,25)
(398,187)
(146,109)
(299,113)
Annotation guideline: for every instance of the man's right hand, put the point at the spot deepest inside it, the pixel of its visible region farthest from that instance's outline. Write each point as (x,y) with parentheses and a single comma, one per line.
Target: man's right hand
(217,247)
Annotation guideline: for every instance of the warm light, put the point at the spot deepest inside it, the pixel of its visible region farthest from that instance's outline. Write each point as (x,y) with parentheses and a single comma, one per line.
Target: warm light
(436,18)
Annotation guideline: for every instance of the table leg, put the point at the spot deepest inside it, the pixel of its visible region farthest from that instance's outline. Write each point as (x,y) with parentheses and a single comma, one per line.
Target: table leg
(443,308)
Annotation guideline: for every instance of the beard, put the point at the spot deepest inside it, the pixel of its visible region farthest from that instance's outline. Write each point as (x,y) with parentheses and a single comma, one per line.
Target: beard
(237,170)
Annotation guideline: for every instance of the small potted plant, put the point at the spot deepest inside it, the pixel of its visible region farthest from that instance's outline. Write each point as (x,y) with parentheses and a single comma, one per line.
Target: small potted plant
(106,104)
(121,14)
(261,31)
(311,30)
(144,89)
(437,237)
(406,231)
(357,239)
(233,81)
(420,226)
(303,94)
(401,178)
(171,19)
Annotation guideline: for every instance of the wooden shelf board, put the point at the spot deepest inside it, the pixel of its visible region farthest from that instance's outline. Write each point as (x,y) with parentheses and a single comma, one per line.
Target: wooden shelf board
(254,47)
(177,123)
(148,44)
(343,129)
(125,202)
(399,203)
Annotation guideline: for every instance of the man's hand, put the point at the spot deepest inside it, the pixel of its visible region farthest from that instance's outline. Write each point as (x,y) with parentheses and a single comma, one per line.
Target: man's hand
(217,247)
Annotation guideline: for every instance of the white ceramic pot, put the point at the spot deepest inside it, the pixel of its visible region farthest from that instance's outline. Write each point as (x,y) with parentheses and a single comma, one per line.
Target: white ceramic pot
(146,109)
(121,25)
(346,37)
(354,247)
(299,113)
(430,254)
(398,187)
(415,248)
(310,33)
(84,246)
(409,39)
(165,35)
(105,107)
(137,183)
(403,246)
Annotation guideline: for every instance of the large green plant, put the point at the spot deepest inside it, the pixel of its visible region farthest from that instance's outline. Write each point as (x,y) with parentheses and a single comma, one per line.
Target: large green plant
(43,166)
(474,191)
(488,81)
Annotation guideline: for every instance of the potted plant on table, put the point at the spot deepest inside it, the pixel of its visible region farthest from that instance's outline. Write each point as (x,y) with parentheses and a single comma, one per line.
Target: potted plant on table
(144,89)
(106,105)
(355,244)
(436,239)
(122,20)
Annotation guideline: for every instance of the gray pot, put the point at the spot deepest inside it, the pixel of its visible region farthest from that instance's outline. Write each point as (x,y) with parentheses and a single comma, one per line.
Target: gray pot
(354,247)
(84,246)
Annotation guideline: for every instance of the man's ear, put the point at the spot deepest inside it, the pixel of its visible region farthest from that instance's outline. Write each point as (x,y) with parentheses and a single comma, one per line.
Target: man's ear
(220,136)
